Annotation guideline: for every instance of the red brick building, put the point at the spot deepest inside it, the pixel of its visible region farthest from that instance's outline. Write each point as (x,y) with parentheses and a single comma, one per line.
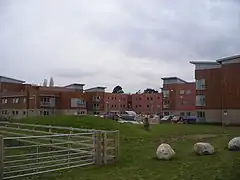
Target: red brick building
(147,103)
(178,97)
(115,102)
(218,90)
(21,100)
(140,103)
(95,98)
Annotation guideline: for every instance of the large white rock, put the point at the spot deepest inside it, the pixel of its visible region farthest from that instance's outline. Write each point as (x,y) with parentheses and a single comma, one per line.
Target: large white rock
(165,151)
(202,148)
(234,144)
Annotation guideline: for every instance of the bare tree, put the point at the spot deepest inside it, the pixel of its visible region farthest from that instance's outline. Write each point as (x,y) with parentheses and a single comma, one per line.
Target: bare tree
(45,82)
(51,82)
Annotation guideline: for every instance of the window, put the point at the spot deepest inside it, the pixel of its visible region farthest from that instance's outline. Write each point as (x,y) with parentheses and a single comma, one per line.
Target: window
(115,105)
(140,105)
(148,106)
(165,93)
(24,100)
(200,84)
(4,101)
(140,98)
(182,113)
(112,105)
(158,97)
(124,105)
(166,113)
(200,100)
(182,91)
(15,100)
(16,112)
(148,98)
(24,112)
(201,115)
(188,91)
(151,98)
(136,106)
(112,97)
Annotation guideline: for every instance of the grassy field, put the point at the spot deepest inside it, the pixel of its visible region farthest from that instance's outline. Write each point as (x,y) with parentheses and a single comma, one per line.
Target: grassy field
(137,152)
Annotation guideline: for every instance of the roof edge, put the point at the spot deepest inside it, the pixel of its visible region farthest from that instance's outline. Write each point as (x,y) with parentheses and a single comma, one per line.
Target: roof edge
(228,58)
(12,79)
(204,62)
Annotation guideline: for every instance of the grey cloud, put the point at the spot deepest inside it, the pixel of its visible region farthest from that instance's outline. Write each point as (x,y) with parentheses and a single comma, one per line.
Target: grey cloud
(175,30)
(132,43)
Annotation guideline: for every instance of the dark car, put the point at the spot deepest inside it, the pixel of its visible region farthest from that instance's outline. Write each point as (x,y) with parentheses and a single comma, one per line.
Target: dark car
(189,119)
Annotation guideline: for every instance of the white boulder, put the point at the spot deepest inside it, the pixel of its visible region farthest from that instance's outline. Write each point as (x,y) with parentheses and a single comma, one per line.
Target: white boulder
(165,151)
(234,144)
(202,148)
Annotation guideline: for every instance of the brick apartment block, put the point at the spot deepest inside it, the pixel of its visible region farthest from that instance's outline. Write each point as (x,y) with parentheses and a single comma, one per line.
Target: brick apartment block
(218,90)
(178,97)
(21,100)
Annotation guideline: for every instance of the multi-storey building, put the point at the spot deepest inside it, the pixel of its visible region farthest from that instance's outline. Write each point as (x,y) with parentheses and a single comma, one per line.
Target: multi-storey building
(178,97)
(147,103)
(218,90)
(95,100)
(21,100)
(116,102)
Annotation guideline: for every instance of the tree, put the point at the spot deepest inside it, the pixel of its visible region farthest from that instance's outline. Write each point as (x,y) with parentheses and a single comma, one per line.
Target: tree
(45,82)
(138,92)
(51,82)
(118,89)
(150,91)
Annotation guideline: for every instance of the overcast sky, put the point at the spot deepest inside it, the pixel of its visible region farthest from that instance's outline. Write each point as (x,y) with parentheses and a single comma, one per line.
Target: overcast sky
(132,43)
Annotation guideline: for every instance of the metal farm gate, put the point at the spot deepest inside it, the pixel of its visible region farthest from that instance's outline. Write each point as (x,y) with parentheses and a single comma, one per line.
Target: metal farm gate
(27,149)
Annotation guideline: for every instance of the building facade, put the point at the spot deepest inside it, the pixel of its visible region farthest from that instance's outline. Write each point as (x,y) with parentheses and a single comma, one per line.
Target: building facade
(218,90)
(95,98)
(116,102)
(147,103)
(178,97)
(19,100)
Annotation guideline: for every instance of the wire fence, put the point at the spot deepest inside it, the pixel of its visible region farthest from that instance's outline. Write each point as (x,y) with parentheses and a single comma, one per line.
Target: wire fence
(34,149)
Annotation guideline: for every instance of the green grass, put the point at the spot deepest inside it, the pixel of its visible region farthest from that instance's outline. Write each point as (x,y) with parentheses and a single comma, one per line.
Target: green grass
(137,152)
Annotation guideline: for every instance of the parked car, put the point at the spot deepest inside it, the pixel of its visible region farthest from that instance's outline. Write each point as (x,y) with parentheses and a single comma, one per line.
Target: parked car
(129,121)
(189,119)
(167,118)
(177,119)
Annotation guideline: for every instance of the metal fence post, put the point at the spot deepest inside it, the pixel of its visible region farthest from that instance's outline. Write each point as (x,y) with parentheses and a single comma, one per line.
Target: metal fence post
(104,147)
(98,147)
(116,143)
(1,156)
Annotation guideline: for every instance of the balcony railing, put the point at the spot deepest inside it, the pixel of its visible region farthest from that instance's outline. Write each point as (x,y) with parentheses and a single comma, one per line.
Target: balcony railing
(47,104)
(96,100)
(166,106)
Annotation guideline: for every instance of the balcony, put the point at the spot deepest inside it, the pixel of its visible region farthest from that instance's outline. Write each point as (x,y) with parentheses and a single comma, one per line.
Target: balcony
(96,107)
(47,104)
(165,106)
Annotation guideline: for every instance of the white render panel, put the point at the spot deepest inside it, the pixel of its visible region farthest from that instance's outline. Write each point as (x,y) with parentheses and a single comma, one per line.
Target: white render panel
(207,66)
(173,81)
